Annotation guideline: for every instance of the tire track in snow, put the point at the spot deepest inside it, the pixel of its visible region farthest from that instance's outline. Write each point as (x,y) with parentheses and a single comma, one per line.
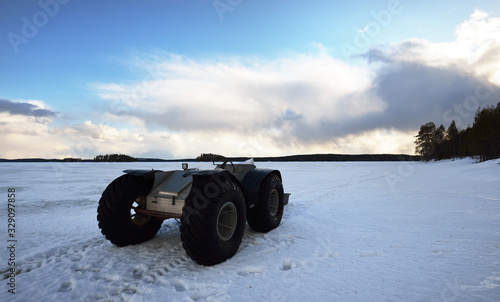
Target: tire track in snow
(115,274)
(73,251)
(150,263)
(326,190)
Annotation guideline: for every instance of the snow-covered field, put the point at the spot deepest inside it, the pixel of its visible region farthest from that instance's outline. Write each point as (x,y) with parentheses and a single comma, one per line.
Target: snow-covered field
(353,231)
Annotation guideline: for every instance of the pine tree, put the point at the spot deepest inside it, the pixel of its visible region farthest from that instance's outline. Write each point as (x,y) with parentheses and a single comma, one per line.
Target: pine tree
(486,133)
(439,143)
(425,142)
(452,138)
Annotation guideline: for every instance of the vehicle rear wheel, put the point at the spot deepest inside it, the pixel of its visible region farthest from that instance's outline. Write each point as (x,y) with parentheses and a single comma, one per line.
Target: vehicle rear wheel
(267,213)
(213,220)
(116,213)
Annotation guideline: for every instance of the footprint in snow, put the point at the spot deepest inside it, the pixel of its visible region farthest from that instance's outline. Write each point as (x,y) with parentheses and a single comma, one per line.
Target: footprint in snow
(329,255)
(370,254)
(306,267)
(66,286)
(251,270)
(287,264)
(443,251)
(179,285)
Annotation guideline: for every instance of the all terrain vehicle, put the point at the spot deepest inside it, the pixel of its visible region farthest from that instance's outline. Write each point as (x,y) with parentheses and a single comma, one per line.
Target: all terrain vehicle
(212,205)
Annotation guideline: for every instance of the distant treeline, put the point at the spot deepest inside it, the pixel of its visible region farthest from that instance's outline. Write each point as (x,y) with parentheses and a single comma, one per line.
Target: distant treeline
(72,159)
(482,139)
(210,157)
(115,158)
(220,158)
(314,157)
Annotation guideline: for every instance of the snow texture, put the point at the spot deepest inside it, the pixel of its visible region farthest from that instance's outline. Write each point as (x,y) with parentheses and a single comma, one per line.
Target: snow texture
(353,231)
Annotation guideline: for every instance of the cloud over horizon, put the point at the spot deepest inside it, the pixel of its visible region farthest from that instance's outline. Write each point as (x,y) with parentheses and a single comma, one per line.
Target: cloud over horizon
(315,99)
(298,103)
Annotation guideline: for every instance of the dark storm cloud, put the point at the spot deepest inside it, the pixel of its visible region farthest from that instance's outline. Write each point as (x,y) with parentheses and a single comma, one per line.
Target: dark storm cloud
(23,108)
(416,94)
(413,94)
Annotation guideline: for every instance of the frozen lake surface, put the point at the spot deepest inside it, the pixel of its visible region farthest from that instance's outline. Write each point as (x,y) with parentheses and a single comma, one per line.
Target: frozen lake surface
(353,231)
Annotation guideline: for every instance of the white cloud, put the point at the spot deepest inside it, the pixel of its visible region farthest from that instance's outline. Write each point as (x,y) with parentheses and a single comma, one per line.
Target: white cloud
(476,48)
(300,103)
(250,100)
(379,141)
(364,29)
(28,136)
(305,102)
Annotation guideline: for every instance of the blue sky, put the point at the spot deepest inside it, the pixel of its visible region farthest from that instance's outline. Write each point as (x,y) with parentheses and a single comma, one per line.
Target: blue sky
(111,72)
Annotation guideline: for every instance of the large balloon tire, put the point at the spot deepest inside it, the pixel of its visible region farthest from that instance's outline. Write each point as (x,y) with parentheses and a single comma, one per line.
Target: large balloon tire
(267,213)
(212,226)
(116,214)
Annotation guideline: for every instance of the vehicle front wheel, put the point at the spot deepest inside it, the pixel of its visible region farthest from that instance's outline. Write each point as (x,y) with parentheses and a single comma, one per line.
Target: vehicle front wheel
(213,220)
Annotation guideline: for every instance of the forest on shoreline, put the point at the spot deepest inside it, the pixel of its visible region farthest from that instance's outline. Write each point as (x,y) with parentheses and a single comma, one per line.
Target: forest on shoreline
(482,139)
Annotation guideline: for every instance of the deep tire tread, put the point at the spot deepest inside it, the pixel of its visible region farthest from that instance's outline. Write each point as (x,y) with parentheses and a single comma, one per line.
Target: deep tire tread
(259,218)
(113,212)
(198,224)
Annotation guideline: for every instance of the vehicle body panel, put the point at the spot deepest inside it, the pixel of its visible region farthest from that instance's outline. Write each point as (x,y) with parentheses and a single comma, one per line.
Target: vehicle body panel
(171,188)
